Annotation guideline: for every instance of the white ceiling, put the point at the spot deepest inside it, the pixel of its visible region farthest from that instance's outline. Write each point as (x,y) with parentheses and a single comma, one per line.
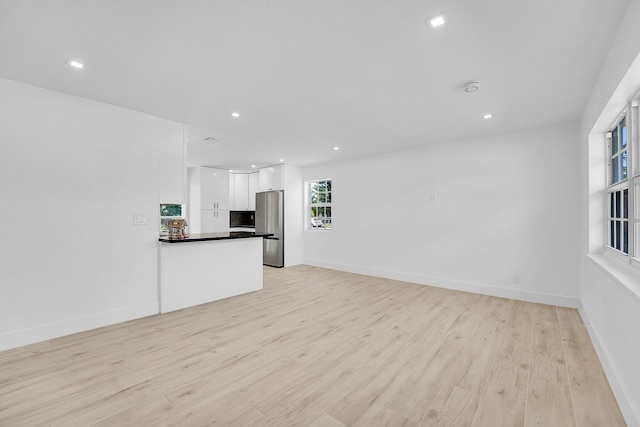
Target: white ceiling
(365,75)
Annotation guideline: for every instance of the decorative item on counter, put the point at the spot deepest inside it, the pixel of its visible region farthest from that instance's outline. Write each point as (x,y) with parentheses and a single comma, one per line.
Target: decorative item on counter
(177,229)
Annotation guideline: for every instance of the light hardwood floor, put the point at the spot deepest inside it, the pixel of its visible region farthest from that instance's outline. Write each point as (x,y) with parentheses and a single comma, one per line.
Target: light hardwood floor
(323,348)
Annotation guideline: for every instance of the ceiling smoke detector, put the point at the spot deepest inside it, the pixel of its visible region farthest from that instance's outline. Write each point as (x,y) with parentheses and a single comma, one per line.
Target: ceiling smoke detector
(471,86)
(210,139)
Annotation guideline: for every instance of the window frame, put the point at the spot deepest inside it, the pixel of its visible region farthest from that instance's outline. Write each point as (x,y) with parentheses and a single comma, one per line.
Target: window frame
(309,205)
(164,219)
(631,183)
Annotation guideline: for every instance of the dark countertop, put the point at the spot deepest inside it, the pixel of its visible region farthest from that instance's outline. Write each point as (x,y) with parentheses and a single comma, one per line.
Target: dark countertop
(202,237)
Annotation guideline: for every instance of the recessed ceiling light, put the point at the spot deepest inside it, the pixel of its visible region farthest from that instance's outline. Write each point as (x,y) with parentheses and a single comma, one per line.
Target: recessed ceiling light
(487,116)
(253,166)
(235,114)
(435,21)
(336,148)
(76,64)
(282,160)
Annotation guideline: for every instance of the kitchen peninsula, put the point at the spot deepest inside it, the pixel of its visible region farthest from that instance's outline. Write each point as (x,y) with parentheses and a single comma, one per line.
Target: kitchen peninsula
(206,267)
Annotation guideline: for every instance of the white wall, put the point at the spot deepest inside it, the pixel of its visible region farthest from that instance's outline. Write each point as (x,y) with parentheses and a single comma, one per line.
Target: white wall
(294,215)
(468,215)
(72,173)
(610,308)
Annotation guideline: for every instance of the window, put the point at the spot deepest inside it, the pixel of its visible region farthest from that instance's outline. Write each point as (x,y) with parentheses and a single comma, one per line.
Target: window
(623,192)
(618,144)
(619,220)
(618,188)
(167,212)
(170,210)
(319,204)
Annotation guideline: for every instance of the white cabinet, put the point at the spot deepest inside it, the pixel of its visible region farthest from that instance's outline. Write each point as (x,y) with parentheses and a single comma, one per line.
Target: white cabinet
(221,189)
(271,178)
(208,200)
(240,191)
(232,191)
(213,221)
(207,188)
(214,189)
(254,186)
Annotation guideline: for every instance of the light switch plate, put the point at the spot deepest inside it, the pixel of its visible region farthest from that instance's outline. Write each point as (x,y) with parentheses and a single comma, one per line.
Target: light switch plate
(139,219)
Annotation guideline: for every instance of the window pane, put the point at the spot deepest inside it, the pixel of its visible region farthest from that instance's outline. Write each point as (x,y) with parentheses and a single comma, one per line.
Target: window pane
(623,133)
(614,170)
(612,234)
(328,211)
(618,246)
(322,198)
(614,141)
(625,201)
(328,185)
(625,237)
(612,211)
(617,212)
(623,169)
(328,197)
(637,201)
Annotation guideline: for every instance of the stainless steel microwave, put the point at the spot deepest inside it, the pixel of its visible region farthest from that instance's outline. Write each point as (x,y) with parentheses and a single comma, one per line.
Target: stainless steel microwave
(242,219)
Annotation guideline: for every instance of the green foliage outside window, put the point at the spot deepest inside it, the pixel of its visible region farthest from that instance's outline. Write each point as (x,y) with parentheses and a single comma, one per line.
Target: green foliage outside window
(320,204)
(170,210)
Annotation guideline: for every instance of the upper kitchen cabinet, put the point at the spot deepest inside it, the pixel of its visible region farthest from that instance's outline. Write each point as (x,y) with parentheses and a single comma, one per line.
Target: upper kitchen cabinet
(172,162)
(271,178)
(254,185)
(208,188)
(239,191)
(221,185)
(242,191)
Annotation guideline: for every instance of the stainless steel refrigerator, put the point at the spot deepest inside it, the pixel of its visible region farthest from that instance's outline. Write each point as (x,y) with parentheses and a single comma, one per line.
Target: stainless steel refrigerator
(270,219)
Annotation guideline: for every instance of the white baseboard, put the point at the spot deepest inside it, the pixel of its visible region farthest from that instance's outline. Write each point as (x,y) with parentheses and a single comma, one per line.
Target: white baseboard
(628,408)
(476,288)
(49,331)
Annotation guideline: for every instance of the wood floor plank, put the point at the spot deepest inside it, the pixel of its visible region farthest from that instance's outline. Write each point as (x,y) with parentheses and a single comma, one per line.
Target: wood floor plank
(547,355)
(571,326)
(548,403)
(503,400)
(592,398)
(319,347)
(452,406)
(326,420)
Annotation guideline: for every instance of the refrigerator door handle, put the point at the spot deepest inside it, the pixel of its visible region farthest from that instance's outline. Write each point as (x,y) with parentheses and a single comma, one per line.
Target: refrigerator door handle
(272,238)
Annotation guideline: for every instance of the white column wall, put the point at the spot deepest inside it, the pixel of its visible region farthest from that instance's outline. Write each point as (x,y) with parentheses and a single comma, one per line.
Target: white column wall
(494,215)
(73,172)
(293,214)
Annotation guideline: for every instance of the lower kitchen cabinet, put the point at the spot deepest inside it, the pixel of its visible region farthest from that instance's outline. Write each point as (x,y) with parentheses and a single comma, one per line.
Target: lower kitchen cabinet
(213,221)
